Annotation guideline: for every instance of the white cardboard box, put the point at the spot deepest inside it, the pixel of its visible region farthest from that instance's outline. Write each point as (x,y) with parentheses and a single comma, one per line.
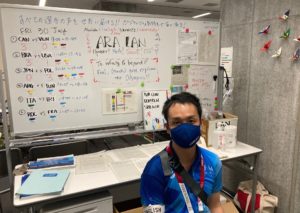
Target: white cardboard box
(209,126)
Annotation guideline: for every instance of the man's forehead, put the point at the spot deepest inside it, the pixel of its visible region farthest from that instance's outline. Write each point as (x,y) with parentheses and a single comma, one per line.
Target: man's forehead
(177,117)
(183,107)
(183,110)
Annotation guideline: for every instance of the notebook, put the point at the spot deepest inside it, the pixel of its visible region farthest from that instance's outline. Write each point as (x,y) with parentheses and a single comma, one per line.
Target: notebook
(43,182)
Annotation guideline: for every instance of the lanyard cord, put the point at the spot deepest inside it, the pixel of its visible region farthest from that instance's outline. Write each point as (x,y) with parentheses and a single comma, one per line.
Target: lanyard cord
(183,175)
(172,153)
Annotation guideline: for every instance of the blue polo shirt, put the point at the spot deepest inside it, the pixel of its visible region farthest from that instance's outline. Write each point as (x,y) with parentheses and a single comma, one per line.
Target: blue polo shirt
(157,189)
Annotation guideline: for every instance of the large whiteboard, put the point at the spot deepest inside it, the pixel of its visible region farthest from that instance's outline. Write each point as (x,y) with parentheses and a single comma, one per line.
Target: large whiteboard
(61,64)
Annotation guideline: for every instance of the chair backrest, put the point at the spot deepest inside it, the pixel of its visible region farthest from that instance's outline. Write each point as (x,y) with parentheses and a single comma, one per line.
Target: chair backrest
(76,148)
(16,158)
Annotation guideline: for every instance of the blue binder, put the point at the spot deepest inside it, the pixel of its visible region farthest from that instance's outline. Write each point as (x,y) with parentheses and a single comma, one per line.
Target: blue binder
(52,162)
(43,182)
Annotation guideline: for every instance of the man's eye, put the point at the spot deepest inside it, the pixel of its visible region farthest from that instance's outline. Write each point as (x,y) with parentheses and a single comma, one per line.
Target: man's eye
(175,123)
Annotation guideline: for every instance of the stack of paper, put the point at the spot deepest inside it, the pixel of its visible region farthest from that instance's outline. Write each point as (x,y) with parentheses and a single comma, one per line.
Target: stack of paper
(140,164)
(42,182)
(221,154)
(153,149)
(129,153)
(94,162)
(125,170)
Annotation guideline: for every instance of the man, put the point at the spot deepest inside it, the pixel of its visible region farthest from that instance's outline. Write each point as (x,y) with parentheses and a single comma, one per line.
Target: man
(170,193)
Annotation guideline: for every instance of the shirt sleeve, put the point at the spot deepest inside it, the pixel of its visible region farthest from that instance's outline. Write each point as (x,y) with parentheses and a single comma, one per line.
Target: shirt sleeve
(152,183)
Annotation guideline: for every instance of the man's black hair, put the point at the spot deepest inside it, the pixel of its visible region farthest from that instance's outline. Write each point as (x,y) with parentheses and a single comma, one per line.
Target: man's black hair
(181,98)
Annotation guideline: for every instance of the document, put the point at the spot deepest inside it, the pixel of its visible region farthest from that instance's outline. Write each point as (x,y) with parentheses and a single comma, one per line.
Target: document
(125,170)
(119,101)
(218,152)
(208,46)
(42,182)
(153,102)
(129,153)
(94,162)
(140,164)
(187,47)
(153,149)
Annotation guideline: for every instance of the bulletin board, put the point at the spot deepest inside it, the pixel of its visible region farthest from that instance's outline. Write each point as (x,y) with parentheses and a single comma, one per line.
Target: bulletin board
(72,69)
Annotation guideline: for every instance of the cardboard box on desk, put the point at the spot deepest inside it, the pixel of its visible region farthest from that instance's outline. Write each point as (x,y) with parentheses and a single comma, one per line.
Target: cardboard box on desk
(209,126)
(129,206)
(228,207)
(135,210)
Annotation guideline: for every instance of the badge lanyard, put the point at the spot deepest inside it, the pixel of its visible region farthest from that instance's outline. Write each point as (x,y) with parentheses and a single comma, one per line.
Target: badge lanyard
(183,188)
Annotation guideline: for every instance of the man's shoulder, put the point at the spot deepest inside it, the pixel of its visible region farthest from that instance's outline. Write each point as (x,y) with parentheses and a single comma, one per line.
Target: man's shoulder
(210,157)
(208,154)
(153,166)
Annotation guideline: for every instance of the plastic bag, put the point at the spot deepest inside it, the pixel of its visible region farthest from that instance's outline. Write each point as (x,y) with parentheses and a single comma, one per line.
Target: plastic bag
(264,202)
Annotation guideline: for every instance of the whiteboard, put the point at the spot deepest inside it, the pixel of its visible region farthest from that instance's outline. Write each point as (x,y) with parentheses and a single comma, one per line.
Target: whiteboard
(60,63)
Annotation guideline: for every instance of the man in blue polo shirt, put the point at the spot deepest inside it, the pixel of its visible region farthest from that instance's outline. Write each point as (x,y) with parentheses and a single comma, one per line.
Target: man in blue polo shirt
(170,193)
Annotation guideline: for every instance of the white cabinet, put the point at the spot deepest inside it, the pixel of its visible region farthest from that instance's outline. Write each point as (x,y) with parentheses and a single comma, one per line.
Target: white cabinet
(92,203)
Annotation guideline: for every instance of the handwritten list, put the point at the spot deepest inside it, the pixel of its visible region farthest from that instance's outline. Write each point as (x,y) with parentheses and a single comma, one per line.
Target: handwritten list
(47,70)
(201,84)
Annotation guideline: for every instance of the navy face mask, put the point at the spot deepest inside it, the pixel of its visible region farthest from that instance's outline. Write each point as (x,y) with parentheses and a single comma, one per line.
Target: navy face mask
(185,135)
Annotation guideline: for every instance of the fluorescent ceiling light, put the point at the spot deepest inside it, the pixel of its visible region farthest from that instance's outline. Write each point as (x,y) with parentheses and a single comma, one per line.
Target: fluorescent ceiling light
(42,3)
(201,15)
(150,0)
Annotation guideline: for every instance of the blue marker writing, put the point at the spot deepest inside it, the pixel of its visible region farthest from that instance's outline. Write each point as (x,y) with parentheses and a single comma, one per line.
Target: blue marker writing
(50,175)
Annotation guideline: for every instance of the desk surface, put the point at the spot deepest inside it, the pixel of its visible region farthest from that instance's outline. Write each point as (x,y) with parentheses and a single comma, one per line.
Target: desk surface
(80,182)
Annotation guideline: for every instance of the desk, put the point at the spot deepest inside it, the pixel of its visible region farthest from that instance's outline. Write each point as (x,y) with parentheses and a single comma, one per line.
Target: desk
(82,184)
(241,151)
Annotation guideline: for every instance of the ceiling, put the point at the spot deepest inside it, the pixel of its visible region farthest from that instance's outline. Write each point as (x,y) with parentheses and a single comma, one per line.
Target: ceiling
(185,8)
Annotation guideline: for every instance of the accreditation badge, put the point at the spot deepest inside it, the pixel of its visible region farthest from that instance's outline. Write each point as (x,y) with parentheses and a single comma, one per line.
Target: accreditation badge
(154,209)
(200,205)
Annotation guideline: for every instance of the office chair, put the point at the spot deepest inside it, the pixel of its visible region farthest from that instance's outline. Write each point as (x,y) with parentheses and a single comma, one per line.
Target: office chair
(76,148)
(16,158)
